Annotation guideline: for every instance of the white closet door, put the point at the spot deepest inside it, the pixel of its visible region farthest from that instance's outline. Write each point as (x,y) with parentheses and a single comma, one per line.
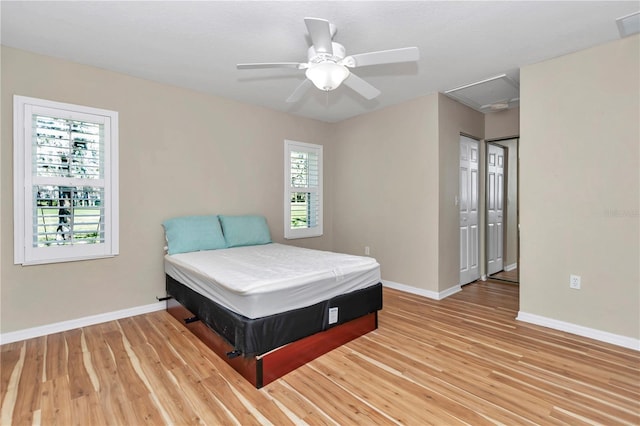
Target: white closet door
(468,204)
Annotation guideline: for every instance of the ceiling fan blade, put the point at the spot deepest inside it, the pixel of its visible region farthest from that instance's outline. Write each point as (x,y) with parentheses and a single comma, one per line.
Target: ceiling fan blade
(362,87)
(294,65)
(300,91)
(320,33)
(405,54)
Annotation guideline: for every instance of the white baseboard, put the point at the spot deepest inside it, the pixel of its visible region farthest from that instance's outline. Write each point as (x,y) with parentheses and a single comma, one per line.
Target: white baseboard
(592,333)
(422,292)
(15,336)
(511,267)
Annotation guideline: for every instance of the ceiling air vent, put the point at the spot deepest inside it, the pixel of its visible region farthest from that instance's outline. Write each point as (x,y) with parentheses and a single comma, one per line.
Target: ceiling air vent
(492,94)
(629,24)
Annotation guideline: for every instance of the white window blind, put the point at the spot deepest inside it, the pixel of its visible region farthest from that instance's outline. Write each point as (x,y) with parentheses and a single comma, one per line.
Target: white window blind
(65,176)
(303,190)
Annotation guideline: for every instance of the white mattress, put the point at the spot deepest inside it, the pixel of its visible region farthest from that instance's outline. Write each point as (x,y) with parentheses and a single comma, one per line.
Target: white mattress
(258,281)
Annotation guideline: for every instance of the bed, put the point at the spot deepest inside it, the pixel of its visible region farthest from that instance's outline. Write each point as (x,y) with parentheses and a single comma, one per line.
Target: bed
(263,307)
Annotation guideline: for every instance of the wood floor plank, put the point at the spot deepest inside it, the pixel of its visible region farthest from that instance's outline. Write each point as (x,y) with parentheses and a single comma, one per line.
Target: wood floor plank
(211,411)
(198,356)
(12,374)
(166,353)
(112,395)
(261,405)
(515,400)
(461,360)
(407,402)
(417,370)
(79,380)
(56,356)
(566,398)
(28,394)
(563,388)
(8,360)
(127,375)
(220,389)
(333,400)
(168,396)
(113,400)
(132,332)
(300,406)
(86,410)
(574,370)
(56,402)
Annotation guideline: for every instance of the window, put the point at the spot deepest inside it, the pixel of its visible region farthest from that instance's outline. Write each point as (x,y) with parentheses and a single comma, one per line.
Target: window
(65,182)
(302,190)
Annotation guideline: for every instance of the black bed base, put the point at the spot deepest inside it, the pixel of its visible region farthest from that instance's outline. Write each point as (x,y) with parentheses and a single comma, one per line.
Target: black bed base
(274,355)
(250,337)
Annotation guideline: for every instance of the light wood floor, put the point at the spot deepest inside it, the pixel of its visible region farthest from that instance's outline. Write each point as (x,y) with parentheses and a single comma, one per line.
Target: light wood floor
(462,360)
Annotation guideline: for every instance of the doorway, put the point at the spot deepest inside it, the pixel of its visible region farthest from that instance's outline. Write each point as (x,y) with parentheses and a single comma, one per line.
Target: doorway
(502,245)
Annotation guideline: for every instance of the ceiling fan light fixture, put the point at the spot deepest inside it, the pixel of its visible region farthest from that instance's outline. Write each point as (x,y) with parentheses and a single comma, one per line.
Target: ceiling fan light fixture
(327,75)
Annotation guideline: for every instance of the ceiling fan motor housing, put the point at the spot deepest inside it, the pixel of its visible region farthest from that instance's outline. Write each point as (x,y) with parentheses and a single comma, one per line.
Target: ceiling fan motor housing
(338,54)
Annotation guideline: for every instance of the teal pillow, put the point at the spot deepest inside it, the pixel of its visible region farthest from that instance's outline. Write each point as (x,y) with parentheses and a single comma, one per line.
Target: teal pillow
(193,233)
(245,230)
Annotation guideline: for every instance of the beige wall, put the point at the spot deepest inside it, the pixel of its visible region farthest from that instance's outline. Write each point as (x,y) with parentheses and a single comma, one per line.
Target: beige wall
(181,152)
(386,191)
(400,201)
(502,124)
(580,186)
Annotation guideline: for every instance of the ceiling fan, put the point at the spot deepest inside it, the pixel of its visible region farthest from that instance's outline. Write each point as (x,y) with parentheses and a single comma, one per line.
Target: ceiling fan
(328,67)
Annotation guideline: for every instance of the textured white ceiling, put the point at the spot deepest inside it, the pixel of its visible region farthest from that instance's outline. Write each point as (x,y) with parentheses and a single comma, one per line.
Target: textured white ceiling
(197,44)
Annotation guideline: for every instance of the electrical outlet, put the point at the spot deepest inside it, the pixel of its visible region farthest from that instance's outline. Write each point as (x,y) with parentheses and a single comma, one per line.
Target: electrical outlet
(574,282)
(367,252)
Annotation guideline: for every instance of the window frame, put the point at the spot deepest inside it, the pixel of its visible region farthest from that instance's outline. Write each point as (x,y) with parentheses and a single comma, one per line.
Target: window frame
(24,251)
(314,231)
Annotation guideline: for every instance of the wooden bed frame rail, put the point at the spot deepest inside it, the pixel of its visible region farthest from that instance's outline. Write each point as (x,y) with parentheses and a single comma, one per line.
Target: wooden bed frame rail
(264,369)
